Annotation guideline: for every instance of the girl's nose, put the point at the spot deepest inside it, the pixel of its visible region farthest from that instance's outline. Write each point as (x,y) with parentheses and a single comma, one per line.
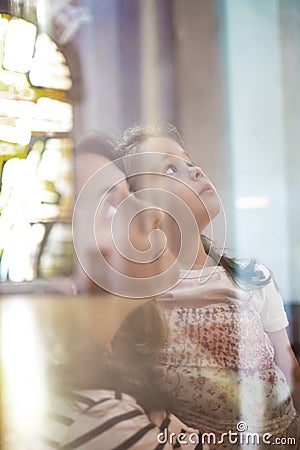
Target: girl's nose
(195,173)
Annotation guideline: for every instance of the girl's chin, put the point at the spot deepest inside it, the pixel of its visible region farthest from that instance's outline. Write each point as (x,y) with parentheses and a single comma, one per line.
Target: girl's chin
(208,216)
(214,209)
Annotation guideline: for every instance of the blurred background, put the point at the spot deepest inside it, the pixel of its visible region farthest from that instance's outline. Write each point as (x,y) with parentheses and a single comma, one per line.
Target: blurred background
(225,73)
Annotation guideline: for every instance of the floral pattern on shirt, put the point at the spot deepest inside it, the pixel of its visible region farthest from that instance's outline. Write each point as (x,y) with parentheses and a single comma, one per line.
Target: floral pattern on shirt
(219,368)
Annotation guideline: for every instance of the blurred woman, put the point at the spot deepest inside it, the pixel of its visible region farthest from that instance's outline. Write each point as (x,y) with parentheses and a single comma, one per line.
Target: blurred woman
(100,349)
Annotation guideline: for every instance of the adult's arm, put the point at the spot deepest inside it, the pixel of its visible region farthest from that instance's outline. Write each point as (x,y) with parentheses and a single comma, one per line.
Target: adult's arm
(287,362)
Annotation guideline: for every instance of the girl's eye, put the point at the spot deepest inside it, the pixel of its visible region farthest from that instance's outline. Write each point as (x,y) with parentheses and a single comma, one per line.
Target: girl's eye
(190,164)
(170,170)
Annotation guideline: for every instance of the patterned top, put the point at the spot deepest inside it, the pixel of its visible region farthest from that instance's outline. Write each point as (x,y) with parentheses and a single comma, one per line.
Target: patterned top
(219,363)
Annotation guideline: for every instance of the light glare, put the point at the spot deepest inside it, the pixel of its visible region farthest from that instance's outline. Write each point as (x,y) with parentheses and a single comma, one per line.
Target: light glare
(25,390)
(254,202)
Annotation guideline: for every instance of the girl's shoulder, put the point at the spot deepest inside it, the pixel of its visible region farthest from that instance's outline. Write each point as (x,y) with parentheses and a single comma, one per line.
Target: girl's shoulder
(268,302)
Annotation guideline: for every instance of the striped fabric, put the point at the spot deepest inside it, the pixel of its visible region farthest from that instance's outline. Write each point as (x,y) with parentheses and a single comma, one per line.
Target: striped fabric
(105,420)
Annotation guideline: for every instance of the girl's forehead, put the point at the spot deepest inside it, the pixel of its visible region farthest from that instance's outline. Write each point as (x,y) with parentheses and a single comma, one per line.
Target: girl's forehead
(162,144)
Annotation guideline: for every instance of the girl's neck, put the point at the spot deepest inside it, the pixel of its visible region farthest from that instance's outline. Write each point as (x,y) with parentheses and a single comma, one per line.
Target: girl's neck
(173,235)
(202,259)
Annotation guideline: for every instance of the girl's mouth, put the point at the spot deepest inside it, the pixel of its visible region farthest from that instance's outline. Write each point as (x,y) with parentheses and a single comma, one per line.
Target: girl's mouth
(206,188)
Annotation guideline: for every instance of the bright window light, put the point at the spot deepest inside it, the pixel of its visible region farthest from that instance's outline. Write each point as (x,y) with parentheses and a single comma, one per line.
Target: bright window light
(3,26)
(18,82)
(49,68)
(52,116)
(19,45)
(16,108)
(254,202)
(20,134)
(19,118)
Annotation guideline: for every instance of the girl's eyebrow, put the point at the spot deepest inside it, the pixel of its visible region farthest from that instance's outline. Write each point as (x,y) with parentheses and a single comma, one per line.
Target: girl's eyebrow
(175,157)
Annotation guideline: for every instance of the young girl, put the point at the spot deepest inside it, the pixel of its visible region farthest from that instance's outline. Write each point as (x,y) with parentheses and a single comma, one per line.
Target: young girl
(229,362)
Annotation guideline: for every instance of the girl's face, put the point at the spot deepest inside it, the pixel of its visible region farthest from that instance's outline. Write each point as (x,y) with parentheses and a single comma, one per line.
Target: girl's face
(173,171)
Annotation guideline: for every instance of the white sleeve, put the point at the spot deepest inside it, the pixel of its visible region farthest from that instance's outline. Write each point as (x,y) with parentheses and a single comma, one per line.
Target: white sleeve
(272,313)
